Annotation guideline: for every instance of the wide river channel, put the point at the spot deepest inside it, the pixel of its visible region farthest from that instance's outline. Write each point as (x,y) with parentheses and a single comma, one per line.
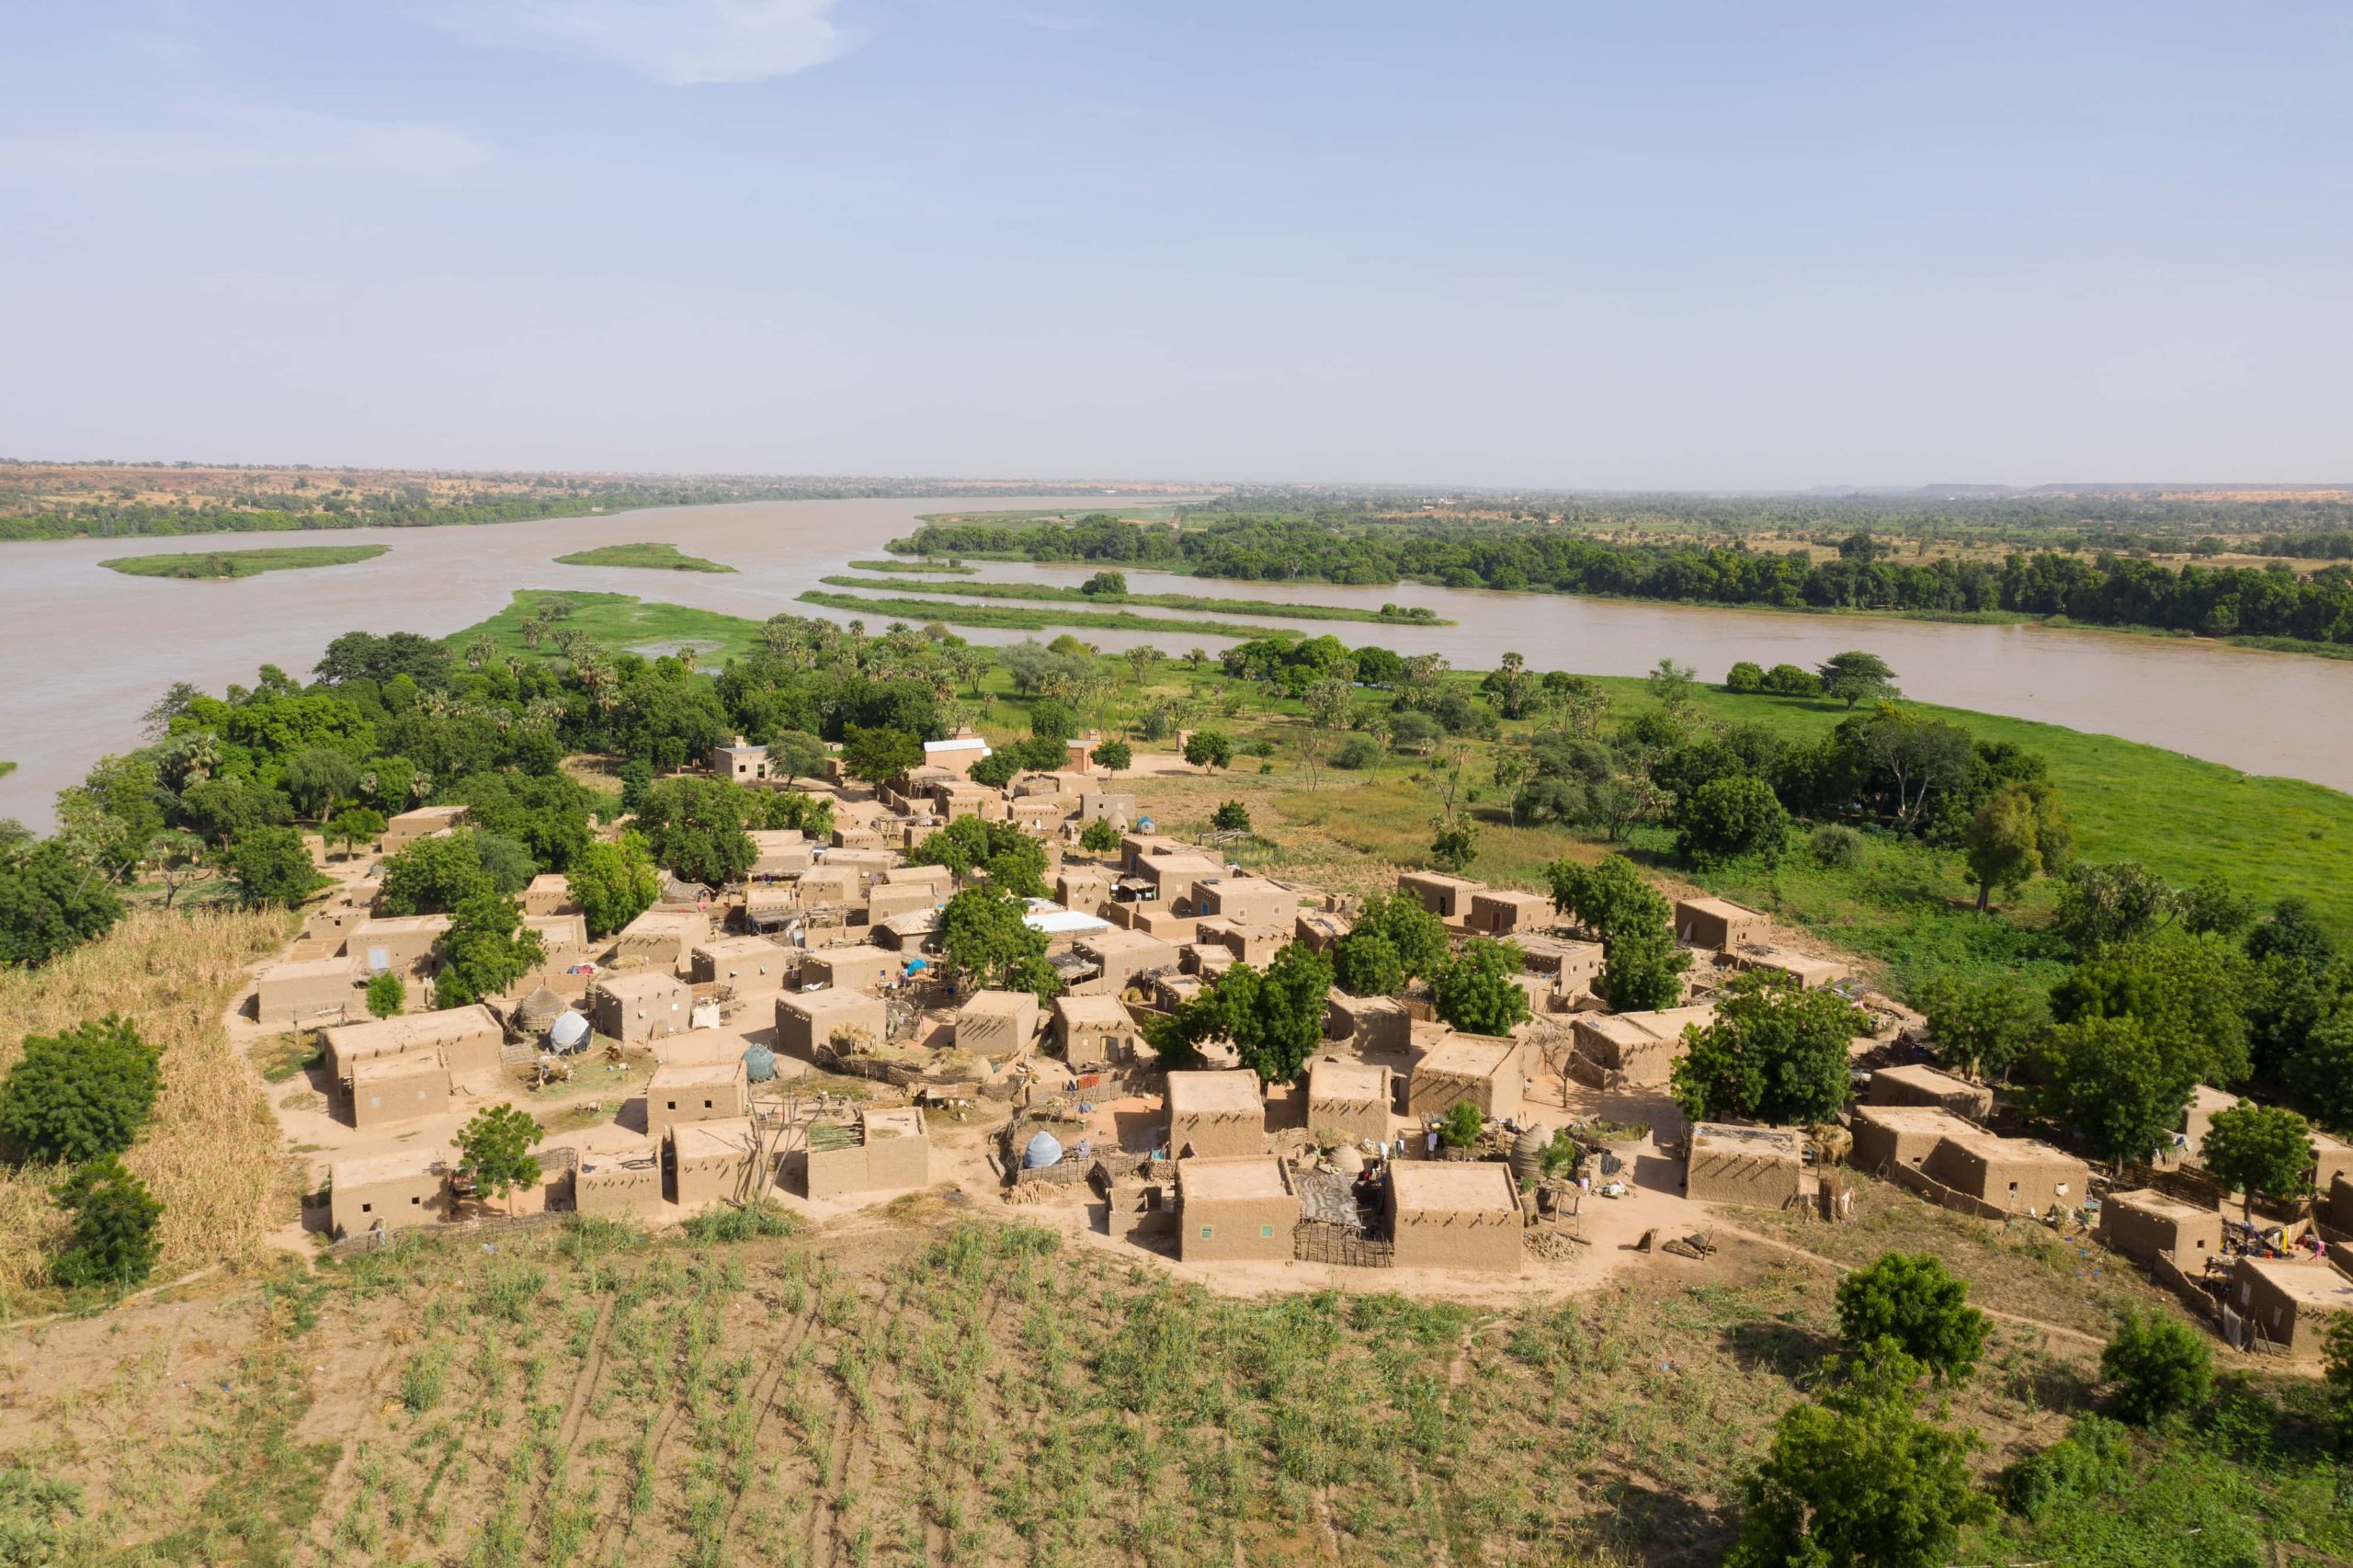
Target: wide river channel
(84,650)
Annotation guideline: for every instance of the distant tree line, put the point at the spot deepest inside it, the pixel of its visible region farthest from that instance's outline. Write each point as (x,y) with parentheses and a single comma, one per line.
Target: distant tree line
(2109,590)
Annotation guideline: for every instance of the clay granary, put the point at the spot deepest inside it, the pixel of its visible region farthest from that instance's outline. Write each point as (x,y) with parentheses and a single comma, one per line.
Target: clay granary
(1718,923)
(2145,1223)
(388,1192)
(877,1151)
(2017,1176)
(1095,1031)
(1496,912)
(1483,1069)
(1454,1214)
(1234,1210)
(1215,1115)
(1889,1136)
(1448,897)
(701,1092)
(1761,1166)
(1349,1100)
(807,1021)
(640,1006)
(1926,1087)
(2287,1305)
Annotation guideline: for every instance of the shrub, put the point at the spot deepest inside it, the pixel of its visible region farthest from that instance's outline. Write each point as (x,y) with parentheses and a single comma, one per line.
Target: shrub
(1099,838)
(1789,680)
(2087,1461)
(113,1240)
(272,865)
(761,1219)
(2160,1365)
(1835,846)
(1210,748)
(1909,1297)
(1746,676)
(1356,751)
(997,768)
(387,995)
(83,1095)
(1458,1129)
(1232,816)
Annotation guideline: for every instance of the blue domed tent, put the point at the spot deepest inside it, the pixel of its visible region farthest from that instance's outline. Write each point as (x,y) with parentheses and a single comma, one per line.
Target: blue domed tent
(759,1063)
(1044,1150)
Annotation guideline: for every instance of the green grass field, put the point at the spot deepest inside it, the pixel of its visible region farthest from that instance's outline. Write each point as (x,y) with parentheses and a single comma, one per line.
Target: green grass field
(650,556)
(616,620)
(223,566)
(939,566)
(1056,593)
(1007,618)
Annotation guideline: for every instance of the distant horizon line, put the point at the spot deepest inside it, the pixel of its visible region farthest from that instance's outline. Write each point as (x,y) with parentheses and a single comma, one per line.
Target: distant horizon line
(1948,488)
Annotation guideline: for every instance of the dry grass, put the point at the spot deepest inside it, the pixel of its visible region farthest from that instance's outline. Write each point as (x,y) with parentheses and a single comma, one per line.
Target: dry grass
(212,1153)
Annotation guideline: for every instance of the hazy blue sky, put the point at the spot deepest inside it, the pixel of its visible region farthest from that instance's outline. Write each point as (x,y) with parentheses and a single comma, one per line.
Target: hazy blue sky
(1636,244)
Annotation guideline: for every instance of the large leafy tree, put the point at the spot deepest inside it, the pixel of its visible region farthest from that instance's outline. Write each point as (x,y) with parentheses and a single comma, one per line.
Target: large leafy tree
(1856,676)
(272,865)
(1274,1017)
(873,755)
(1478,989)
(50,905)
(435,875)
(1365,963)
(2017,833)
(2107,1078)
(2161,1366)
(985,933)
(1773,1053)
(485,950)
(1726,819)
(83,1094)
(2185,992)
(1417,937)
(2263,1151)
(113,1240)
(1979,1027)
(696,827)
(496,1148)
(1859,1480)
(1910,1298)
(1001,850)
(614,883)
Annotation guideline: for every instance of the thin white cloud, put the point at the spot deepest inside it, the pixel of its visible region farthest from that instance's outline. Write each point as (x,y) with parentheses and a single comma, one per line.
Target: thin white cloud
(218,139)
(680,42)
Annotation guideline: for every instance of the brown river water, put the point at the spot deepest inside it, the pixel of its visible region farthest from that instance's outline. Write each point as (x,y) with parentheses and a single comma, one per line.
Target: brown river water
(84,650)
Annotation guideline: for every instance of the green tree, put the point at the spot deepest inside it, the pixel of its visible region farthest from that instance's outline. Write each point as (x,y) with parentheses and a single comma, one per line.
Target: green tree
(1419,937)
(2161,1368)
(2017,833)
(494,1147)
(1113,756)
(2119,901)
(354,825)
(1052,721)
(387,994)
(50,905)
(1456,848)
(1643,970)
(1855,676)
(1607,898)
(484,951)
(113,1240)
(983,932)
(80,1094)
(1859,1480)
(2187,991)
(2261,1151)
(796,754)
(316,778)
(1477,990)
(1231,816)
(435,875)
(1979,1027)
(696,827)
(2337,1369)
(1727,818)
(1274,1017)
(997,768)
(1099,838)
(1773,1053)
(614,883)
(1461,1126)
(2107,1079)
(877,755)
(1114,584)
(272,865)
(1210,748)
(1909,1297)
(1365,963)
(1746,677)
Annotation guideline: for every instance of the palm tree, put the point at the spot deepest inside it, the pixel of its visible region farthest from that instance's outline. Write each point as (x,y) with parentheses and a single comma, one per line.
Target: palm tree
(687,657)
(480,651)
(1140,662)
